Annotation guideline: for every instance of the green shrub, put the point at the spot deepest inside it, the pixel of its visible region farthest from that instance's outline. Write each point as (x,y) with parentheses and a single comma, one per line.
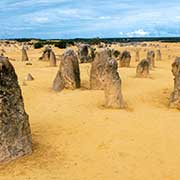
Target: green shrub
(95,41)
(61,45)
(38,45)
(116,53)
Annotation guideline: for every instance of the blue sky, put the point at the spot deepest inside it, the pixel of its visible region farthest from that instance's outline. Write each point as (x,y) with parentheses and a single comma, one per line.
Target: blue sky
(89,18)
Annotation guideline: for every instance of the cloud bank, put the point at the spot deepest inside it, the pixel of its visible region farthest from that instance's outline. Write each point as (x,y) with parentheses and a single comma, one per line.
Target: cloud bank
(89,18)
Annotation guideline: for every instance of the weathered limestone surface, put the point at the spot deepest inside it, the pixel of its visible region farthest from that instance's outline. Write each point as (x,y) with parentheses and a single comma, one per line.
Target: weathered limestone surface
(68,75)
(24,55)
(113,94)
(151,58)
(125,59)
(98,70)
(143,68)
(15,133)
(175,96)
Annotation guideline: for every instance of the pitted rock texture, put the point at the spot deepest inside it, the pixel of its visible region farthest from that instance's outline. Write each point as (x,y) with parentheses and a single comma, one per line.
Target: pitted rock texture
(151,58)
(68,75)
(46,54)
(98,70)
(125,59)
(175,96)
(24,55)
(143,68)
(86,53)
(52,59)
(15,133)
(158,55)
(113,94)
(137,55)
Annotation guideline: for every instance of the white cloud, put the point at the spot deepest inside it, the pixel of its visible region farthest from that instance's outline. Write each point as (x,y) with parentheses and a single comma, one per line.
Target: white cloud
(177,17)
(56,15)
(139,32)
(90,17)
(27,3)
(41,19)
(51,15)
(121,33)
(136,33)
(105,17)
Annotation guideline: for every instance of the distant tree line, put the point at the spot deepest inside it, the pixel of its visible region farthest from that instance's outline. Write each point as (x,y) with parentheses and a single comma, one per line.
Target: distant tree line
(62,44)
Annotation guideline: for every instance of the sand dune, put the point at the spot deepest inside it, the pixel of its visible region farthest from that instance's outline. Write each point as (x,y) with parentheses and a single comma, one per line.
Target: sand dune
(76,138)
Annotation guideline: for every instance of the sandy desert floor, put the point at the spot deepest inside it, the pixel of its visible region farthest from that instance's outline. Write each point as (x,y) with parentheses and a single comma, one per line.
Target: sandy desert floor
(76,138)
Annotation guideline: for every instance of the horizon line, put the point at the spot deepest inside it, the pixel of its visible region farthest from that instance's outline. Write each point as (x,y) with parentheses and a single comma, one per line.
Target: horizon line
(149,37)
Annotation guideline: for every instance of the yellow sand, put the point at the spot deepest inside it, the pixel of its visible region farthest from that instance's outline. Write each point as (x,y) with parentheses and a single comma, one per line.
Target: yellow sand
(76,138)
